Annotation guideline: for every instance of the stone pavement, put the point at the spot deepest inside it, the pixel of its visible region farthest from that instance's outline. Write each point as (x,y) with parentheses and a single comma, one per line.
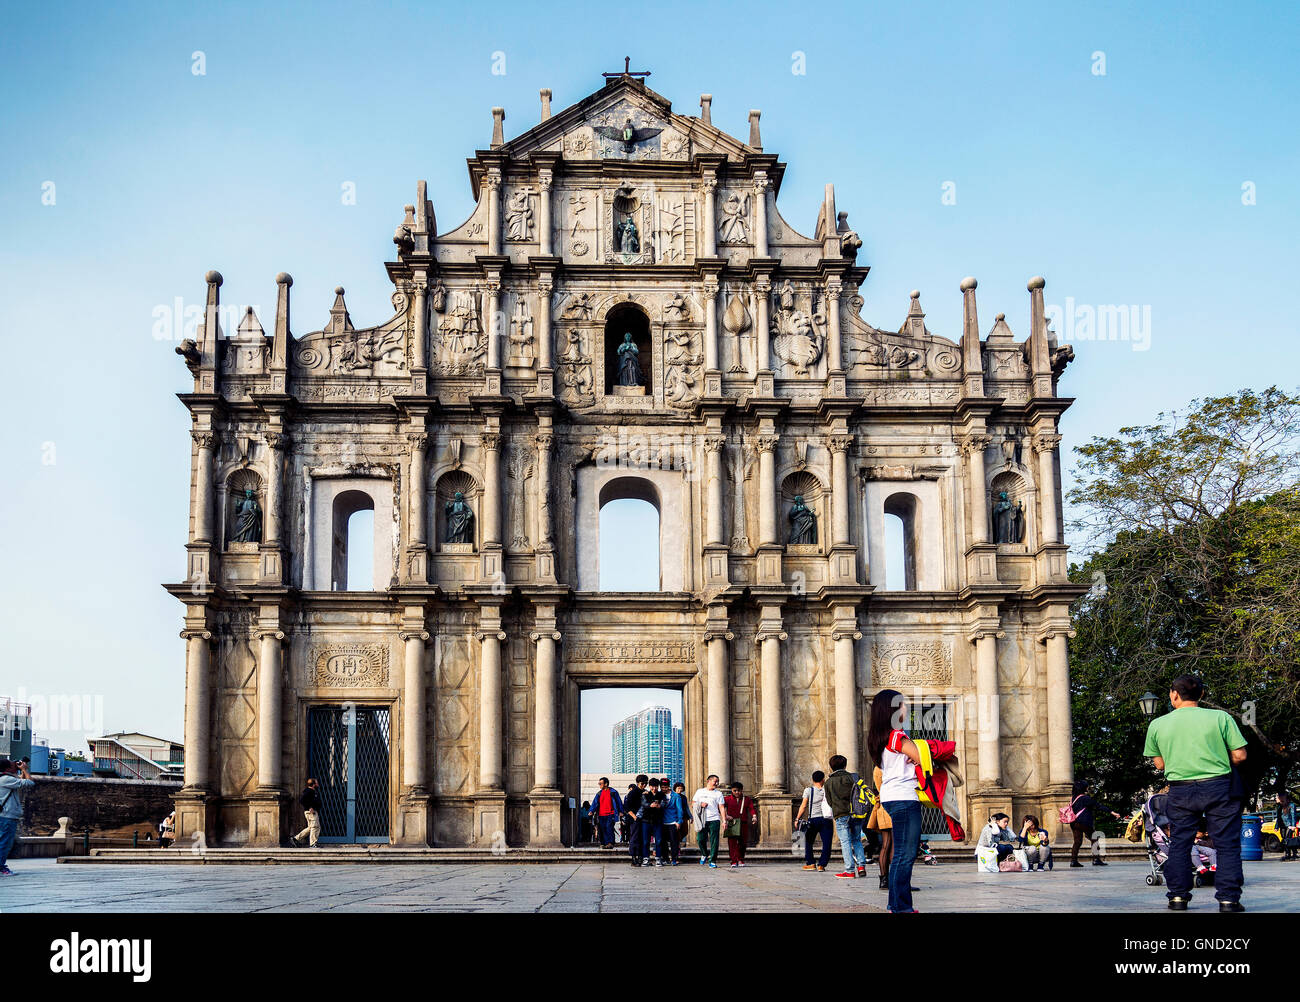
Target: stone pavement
(44,886)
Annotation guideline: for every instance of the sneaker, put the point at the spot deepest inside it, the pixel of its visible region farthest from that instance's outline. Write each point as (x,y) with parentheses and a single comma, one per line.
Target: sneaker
(1179,904)
(847,874)
(1079,865)
(6,872)
(809,866)
(674,862)
(703,860)
(862,872)
(713,866)
(659,862)
(1100,862)
(821,869)
(741,863)
(1231,906)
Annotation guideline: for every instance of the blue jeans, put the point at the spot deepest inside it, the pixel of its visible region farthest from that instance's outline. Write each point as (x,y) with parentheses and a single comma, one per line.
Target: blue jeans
(606,824)
(8,832)
(652,834)
(906,817)
(816,827)
(1185,805)
(849,830)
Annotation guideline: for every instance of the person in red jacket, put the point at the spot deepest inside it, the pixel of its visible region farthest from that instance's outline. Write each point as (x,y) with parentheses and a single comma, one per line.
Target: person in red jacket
(740,808)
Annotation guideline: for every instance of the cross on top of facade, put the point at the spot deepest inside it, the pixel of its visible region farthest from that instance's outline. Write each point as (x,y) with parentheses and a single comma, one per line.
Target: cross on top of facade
(627,62)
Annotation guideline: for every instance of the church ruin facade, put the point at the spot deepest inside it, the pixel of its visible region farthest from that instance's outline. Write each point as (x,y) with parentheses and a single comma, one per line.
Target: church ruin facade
(625,314)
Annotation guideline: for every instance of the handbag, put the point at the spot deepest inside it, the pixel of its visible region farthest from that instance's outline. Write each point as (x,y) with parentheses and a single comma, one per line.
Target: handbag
(806,822)
(1066,814)
(735,826)
(1010,865)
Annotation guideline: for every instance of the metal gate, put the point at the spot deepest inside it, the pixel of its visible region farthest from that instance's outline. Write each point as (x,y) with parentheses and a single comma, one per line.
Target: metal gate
(348,754)
(931,718)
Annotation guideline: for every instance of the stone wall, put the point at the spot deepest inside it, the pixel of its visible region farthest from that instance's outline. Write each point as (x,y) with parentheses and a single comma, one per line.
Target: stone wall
(105,805)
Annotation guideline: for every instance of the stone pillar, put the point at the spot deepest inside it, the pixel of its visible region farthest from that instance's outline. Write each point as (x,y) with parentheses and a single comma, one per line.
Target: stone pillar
(847,730)
(544,799)
(1045,446)
(490,798)
(420,332)
(710,186)
(834,349)
(492,311)
(492,181)
(839,446)
(989,700)
(761,184)
(491,488)
(416,518)
(414,741)
(974,446)
(544,181)
(275,442)
(205,440)
(265,805)
(198,709)
(545,362)
(718,760)
(710,290)
(762,335)
(713,446)
(767,489)
(544,552)
(1060,762)
(775,813)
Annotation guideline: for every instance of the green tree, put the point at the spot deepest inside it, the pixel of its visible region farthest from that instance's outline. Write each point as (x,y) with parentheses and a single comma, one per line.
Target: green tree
(1195,567)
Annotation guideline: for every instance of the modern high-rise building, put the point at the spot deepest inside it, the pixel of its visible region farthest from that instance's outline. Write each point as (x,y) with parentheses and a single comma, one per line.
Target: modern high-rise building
(648,742)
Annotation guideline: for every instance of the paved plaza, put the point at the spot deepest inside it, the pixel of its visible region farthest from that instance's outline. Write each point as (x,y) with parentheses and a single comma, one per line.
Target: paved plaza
(44,886)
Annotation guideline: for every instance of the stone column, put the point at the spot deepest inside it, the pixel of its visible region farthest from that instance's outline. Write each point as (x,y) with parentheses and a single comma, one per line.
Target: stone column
(974,446)
(420,332)
(839,446)
(492,180)
(275,443)
(489,761)
(710,186)
(198,711)
(545,351)
(761,184)
(834,349)
(718,761)
(762,335)
(270,696)
(710,290)
(1045,446)
(1060,763)
(987,695)
(847,731)
(492,311)
(416,488)
(713,446)
(773,720)
(767,489)
(205,440)
(544,180)
(491,488)
(544,798)
(414,742)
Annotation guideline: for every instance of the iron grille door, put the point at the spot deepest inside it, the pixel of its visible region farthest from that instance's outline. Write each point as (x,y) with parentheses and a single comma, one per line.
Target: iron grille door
(931,719)
(348,754)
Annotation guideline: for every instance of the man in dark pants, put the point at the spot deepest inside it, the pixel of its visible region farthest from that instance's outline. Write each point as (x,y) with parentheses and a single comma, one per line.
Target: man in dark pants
(632,810)
(605,810)
(1197,748)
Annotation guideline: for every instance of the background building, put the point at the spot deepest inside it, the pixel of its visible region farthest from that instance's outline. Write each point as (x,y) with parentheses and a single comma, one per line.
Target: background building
(138,756)
(15,729)
(648,742)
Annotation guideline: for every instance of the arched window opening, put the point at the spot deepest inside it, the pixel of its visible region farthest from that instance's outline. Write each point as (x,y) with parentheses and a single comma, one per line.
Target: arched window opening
(353,560)
(900,543)
(627,369)
(629,536)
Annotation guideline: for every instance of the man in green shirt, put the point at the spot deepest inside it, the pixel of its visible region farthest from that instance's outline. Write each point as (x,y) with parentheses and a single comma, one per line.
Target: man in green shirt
(1196,749)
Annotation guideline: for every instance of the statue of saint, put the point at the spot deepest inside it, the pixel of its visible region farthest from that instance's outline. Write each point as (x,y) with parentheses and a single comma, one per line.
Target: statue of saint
(625,237)
(629,363)
(803,523)
(1008,520)
(460,520)
(248,519)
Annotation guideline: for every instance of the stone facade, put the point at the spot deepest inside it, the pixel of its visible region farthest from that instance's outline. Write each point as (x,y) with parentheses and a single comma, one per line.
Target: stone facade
(485,425)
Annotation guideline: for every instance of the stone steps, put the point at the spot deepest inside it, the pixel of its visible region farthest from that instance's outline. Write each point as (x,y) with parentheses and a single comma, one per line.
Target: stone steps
(385,854)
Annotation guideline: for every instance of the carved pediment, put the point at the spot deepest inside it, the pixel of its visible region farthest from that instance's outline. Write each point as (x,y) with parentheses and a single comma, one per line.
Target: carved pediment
(342,350)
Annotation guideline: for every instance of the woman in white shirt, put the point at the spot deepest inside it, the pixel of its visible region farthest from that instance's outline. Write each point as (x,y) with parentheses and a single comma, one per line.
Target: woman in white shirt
(897,755)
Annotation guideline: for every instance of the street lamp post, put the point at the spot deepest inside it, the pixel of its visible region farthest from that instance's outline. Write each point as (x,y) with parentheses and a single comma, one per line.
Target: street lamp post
(1149,704)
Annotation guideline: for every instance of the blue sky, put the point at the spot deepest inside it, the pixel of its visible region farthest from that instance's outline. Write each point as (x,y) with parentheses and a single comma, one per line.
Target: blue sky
(1124,188)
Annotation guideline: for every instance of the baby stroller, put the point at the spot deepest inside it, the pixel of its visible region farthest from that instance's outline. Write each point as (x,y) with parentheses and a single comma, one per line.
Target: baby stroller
(1156,823)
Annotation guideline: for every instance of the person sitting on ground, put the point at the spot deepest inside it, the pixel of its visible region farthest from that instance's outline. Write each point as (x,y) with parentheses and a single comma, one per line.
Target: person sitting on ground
(997,836)
(1204,858)
(1037,843)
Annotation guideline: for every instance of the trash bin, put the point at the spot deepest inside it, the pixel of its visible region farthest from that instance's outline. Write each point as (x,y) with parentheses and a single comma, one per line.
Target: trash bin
(1252,842)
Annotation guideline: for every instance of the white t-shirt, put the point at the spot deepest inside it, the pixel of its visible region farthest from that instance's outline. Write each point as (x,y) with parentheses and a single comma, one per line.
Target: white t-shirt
(712,801)
(818,805)
(897,772)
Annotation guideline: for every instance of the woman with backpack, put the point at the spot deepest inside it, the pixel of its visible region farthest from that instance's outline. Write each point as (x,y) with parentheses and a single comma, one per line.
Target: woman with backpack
(897,755)
(1081,821)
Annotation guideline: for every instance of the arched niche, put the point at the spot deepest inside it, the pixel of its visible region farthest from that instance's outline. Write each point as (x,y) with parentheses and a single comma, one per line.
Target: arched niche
(237,483)
(628,318)
(1013,485)
(803,484)
(449,484)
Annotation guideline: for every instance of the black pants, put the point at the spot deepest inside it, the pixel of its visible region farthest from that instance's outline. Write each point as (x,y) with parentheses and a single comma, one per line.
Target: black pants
(825,828)
(670,842)
(1186,803)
